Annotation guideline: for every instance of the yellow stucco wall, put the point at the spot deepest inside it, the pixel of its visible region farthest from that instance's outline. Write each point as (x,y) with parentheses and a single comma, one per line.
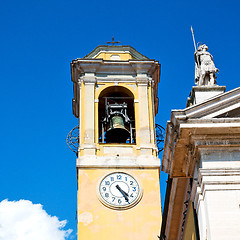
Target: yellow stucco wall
(190,229)
(96,221)
(107,55)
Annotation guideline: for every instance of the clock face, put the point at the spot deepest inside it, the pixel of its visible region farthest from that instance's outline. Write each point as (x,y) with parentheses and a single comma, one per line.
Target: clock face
(119,190)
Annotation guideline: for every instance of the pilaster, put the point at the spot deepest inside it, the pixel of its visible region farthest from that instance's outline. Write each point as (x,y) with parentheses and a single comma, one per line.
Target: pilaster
(216,200)
(144,124)
(89,81)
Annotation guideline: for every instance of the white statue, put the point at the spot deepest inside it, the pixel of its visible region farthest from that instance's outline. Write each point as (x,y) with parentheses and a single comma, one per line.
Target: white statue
(205,70)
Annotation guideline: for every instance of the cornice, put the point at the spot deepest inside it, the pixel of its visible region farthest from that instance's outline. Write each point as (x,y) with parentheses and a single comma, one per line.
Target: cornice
(144,67)
(184,139)
(100,66)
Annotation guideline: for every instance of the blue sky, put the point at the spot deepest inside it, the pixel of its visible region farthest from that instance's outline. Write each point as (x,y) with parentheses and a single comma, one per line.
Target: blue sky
(38,41)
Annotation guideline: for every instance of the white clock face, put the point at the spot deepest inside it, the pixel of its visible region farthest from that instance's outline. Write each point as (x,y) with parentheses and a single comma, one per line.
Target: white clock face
(119,190)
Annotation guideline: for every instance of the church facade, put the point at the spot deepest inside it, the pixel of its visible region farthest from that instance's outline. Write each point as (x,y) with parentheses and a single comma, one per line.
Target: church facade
(202,157)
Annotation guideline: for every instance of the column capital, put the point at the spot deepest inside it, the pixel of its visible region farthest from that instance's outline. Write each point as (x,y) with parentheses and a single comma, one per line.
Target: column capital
(142,79)
(89,78)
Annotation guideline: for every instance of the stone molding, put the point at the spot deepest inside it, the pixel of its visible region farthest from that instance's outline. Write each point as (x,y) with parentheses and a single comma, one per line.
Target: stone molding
(99,66)
(190,138)
(118,162)
(218,179)
(214,180)
(142,80)
(215,105)
(89,79)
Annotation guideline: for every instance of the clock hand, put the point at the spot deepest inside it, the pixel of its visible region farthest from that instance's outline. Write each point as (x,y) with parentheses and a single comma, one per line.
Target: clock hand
(122,191)
(125,195)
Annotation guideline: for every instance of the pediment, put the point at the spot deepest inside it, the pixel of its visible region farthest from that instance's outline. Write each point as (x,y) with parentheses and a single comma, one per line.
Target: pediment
(224,105)
(234,113)
(121,53)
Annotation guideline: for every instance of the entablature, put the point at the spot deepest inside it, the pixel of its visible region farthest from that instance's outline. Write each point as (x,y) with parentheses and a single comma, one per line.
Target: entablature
(100,66)
(185,141)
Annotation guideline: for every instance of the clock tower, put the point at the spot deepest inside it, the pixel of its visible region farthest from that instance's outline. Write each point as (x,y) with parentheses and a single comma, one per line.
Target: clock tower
(115,100)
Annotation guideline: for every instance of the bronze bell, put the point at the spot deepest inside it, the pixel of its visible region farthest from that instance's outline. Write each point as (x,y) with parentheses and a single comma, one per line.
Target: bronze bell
(117,133)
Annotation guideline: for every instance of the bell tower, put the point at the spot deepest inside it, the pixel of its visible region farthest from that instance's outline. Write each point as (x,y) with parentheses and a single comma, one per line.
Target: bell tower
(115,100)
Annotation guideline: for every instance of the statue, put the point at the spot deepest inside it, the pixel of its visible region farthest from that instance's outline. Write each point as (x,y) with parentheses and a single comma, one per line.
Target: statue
(205,70)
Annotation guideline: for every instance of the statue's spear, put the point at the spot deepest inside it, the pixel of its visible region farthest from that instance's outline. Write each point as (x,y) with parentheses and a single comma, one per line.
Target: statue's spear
(193,39)
(197,64)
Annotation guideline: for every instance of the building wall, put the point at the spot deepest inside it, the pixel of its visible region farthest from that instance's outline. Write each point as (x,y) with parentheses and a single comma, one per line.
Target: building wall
(223,214)
(217,202)
(96,221)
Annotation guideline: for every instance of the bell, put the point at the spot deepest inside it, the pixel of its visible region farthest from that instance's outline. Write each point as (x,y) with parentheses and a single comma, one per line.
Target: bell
(117,133)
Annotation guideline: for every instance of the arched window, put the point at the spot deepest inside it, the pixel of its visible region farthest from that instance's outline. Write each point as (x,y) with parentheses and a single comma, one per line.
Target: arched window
(116,116)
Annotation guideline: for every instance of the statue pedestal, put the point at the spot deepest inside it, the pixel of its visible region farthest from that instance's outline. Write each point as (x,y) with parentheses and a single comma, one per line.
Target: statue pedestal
(202,93)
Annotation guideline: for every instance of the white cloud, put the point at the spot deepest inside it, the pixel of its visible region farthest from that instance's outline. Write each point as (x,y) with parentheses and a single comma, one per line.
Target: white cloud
(23,220)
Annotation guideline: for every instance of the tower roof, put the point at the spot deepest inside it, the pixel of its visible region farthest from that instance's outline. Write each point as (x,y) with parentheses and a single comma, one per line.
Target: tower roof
(122,53)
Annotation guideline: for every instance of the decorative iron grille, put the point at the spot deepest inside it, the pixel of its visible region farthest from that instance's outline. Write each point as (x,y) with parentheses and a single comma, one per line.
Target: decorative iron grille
(73,139)
(160,135)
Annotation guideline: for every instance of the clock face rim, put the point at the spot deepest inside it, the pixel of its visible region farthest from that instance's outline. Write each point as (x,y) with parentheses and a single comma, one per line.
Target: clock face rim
(115,207)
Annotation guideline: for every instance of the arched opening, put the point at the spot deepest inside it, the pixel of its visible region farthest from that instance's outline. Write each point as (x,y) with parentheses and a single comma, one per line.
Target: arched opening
(116,116)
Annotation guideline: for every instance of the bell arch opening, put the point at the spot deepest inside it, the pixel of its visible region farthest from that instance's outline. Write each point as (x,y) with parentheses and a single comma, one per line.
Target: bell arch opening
(116,119)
